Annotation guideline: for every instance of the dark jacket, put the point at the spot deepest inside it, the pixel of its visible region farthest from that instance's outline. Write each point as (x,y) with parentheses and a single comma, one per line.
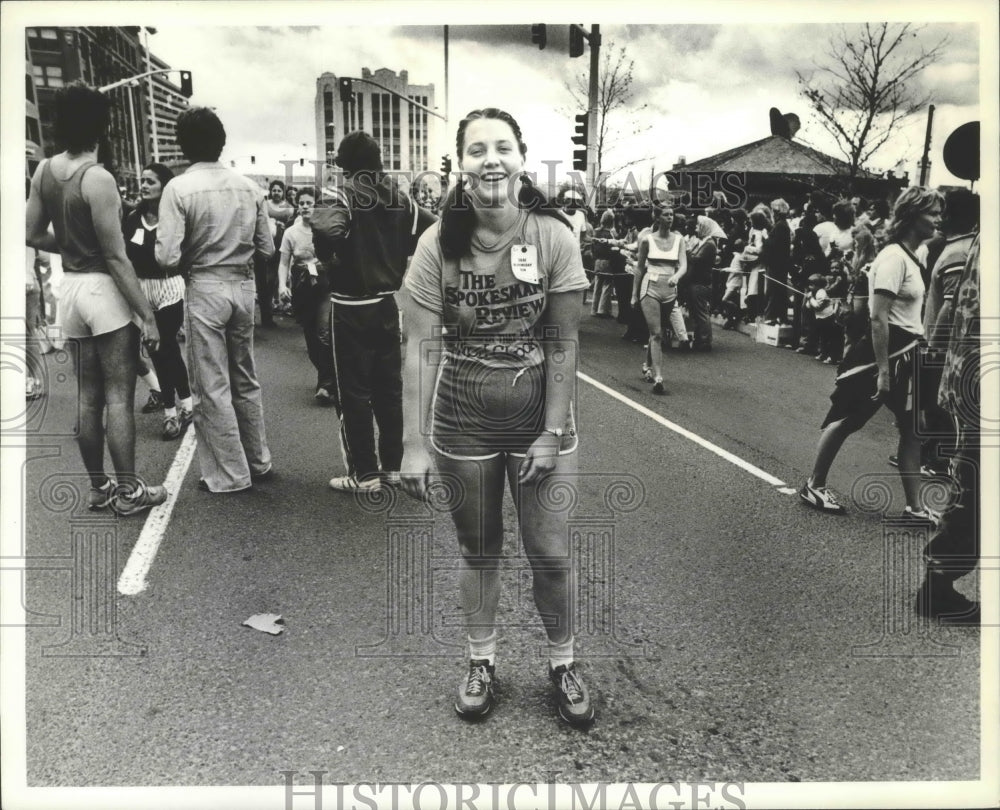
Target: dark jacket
(365,236)
(777,253)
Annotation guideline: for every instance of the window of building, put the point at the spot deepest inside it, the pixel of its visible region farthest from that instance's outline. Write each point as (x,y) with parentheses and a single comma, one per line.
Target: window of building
(31,130)
(48,75)
(44,39)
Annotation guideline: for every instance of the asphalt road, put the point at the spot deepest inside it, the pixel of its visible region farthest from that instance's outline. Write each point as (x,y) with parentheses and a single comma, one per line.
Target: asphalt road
(729,632)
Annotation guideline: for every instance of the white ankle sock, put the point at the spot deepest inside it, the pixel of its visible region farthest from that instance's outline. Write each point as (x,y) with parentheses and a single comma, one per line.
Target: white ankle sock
(486,648)
(168,412)
(561,654)
(185,403)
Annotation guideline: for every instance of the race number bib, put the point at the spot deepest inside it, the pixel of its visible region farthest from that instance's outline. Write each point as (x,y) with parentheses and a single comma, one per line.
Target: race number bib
(524,263)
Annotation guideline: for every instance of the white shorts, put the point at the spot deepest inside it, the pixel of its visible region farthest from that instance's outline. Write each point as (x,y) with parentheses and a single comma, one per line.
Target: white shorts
(91,304)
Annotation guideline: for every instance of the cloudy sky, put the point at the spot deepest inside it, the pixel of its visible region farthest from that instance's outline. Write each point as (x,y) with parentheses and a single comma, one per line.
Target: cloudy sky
(699,88)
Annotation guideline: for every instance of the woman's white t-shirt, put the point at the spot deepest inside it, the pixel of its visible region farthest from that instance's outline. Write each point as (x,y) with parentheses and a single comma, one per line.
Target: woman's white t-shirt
(897,275)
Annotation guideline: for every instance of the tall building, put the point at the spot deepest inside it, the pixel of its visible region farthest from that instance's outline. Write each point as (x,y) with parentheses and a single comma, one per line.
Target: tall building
(402,130)
(168,102)
(33,151)
(100,56)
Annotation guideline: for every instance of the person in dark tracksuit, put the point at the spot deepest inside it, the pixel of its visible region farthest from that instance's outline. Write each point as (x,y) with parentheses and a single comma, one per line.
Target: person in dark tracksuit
(371,226)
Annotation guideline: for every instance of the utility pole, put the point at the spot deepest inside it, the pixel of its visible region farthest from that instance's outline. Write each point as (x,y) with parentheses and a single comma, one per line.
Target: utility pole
(152,98)
(135,132)
(925,162)
(446,73)
(592,101)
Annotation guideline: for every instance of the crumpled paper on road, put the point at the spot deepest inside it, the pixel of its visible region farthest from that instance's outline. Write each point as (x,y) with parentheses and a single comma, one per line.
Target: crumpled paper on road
(266,623)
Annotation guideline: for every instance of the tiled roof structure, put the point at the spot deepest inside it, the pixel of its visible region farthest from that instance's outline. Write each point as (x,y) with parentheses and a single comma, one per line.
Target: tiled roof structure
(773,154)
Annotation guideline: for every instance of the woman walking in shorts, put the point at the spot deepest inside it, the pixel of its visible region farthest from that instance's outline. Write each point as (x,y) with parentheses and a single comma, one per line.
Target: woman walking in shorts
(879,369)
(495,293)
(661,265)
(165,292)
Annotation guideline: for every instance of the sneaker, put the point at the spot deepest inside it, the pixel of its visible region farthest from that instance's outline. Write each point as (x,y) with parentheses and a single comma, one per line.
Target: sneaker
(658,387)
(477,691)
(138,500)
(172,428)
(263,475)
(154,403)
(927,471)
(647,373)
(322,396)
(101,496)
(350,483)
(830,361)
(574,698)
(893,461)
(924,515)
(818,357)
(186,417)
(821,498)
(391,478)
(33,388)
(939,600)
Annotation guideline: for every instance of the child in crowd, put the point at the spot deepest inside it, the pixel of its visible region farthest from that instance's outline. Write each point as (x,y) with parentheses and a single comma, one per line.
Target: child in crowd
(819,304)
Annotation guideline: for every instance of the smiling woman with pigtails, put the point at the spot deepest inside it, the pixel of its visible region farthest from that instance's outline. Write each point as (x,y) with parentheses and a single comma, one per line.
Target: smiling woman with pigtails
(495,297)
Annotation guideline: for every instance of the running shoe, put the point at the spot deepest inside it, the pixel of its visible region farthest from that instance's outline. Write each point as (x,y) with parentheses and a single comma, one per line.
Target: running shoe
(658,387)
(172,428)
(101,496)
(924,515)
(33,389)
(893,461)
(350,483)
(821,498)
(154,403)
(477,691)
(322,396)
(573,697)
(126,504)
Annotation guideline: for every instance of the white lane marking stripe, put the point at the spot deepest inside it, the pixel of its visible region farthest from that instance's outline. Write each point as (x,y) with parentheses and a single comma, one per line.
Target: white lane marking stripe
(133,578)
(733,459)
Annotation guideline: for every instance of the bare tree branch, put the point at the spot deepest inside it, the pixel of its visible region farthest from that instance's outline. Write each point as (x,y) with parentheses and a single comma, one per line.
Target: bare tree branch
(617,121)
(863,91)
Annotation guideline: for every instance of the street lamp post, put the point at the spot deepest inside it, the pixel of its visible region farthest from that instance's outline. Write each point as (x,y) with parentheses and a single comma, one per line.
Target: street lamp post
(152,98)
(135,133)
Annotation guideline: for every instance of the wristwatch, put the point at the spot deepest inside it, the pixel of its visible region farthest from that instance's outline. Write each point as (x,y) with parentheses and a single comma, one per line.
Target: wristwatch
(557,432)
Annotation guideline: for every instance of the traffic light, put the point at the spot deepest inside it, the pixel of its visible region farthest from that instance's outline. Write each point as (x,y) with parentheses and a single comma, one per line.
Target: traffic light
(538,35)
(186,89)
(580,139)
(446,165)
(346,88)
(575,41)
(302,161)
(253,160)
